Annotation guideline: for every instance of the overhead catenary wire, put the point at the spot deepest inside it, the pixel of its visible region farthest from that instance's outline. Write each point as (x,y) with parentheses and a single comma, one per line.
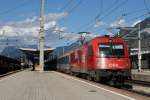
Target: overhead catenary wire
(22,4)
(137,17)
(114,9)
(137,11)
(145,4)
(9,40)
(107,13)
(133,12)
(91,22)
(75,6)
(69,11)
(95,17)
(111,11)
(101,10)
(65,6)
(129,13)
(72,8)
(101,17)
(109,8)
(15,7)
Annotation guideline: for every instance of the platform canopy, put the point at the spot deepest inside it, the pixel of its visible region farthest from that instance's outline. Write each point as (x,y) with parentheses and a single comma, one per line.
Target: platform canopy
(34,53)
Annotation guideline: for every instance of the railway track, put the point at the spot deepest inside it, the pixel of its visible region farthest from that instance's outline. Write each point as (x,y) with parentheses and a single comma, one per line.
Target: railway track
(142,83)
(138,87)
(10,73)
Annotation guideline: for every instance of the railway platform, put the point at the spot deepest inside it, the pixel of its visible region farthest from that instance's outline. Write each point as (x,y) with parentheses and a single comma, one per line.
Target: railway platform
(144,75)
(32,85)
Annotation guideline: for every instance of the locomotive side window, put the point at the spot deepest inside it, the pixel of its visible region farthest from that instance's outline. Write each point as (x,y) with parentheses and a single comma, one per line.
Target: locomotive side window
(90,51)
(111,50)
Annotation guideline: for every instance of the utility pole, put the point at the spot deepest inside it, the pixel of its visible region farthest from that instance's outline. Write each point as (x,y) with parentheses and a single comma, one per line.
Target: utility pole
(41,38)
(63,50)
(139,49)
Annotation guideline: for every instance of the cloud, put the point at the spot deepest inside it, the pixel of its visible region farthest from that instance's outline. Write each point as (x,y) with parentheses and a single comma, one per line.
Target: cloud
(26,31)
(99,23)
(29,20)
(55,16)
(50,25)
(136,22)
(119,23)
(76,36)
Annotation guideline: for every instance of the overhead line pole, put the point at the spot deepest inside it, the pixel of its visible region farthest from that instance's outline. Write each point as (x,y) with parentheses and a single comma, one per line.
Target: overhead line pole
(41,38)
(139,49)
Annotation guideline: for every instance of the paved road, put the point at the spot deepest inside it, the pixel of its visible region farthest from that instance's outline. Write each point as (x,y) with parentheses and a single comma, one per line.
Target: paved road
(29,85)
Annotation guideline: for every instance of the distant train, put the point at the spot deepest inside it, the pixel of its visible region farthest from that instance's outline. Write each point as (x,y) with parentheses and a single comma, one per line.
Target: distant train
(101,59)
(8,64)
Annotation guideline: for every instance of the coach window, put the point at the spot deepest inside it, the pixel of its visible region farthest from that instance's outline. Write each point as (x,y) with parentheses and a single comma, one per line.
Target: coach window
(90,50)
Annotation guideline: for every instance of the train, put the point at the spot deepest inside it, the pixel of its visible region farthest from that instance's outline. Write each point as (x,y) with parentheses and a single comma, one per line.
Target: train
(8,64)
(103,58)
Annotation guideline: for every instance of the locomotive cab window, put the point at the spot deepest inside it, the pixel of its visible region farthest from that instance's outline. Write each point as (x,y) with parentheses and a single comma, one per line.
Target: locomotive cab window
(111,50)
(90,51)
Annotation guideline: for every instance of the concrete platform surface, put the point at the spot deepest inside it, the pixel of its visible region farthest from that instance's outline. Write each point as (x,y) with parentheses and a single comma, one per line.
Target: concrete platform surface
(29,85)
(144,75)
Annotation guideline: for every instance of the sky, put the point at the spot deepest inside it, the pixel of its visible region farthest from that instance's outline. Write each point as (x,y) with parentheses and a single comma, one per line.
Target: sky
(19,19)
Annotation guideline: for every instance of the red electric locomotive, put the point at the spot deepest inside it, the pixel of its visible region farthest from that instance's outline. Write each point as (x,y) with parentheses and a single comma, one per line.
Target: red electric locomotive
(102,59)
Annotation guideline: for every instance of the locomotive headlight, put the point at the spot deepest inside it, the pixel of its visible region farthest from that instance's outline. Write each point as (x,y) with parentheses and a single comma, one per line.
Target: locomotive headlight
(116,65)
(127,63)
(113,65)
(101,63)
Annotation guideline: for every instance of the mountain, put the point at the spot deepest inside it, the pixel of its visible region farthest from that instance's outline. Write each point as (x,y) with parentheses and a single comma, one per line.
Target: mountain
(33,46)
(12,52)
